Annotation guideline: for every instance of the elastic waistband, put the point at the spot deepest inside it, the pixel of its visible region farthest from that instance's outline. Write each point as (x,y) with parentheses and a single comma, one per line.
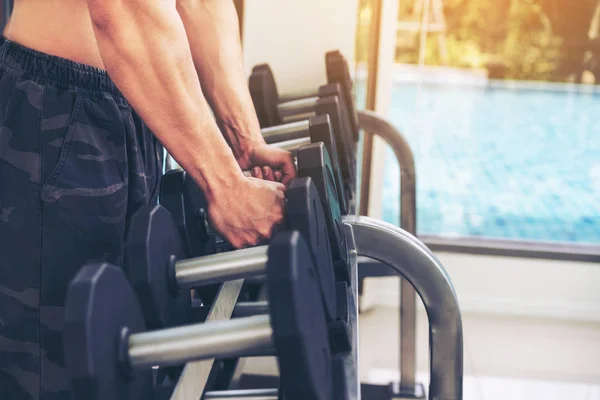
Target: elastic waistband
(47,69)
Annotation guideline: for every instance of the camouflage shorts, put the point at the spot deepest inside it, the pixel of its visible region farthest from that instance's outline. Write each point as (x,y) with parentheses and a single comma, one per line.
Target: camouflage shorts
(75,163)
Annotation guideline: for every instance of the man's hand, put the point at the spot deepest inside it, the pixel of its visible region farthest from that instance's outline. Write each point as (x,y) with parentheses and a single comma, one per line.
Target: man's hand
(248,211)
(268,163)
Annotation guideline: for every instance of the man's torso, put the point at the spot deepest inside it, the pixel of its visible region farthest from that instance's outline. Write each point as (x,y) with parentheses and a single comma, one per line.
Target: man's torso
(61,28)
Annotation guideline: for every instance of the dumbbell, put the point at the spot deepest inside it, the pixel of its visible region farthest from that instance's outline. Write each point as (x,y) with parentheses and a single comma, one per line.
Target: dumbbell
(159,272)
(185,201)
(109,355)
(339,329)
(319,128)
(328,101)
(293,136)
(269,104)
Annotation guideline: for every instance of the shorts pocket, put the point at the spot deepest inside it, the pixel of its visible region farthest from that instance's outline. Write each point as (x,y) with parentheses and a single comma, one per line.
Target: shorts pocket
(55,126)
(93,159)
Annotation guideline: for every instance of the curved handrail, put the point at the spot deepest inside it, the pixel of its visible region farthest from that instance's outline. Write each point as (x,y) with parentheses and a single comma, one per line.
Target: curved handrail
(377,125)
(414,261)
(371,122)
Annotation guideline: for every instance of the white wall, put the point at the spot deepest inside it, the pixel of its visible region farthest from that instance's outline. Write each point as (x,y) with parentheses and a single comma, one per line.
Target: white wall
(292,36)
(534,288)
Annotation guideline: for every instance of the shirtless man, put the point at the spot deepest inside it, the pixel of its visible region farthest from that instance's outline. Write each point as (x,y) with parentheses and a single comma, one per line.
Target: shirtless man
(90,91)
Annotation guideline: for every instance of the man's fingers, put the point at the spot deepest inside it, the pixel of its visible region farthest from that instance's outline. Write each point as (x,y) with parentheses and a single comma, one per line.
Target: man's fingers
(267,173)
(288,169)
(257,173)
(280,163)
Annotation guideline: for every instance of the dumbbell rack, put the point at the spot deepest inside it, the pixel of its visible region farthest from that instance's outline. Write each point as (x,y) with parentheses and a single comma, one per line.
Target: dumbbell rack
(376,259)
(407,387)
(408,256)
(417,265)
(194,378)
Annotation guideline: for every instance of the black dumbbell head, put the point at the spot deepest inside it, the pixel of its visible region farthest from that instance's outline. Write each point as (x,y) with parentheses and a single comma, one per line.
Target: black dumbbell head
(340,330)
(339,71)
(100,302)
(304,213)
(335,108)
(182,197)
(322,130)
(153,245)
(171,197)
(263,91)
(298,321)
(313,161)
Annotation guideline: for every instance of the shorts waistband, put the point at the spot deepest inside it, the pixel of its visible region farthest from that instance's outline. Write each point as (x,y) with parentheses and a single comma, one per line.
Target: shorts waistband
(61,72)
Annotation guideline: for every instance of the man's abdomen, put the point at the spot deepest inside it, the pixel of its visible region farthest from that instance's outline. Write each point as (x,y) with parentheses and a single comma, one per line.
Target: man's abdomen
(57,27)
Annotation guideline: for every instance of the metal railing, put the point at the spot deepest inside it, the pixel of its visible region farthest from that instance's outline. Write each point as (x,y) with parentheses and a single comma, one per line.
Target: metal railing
(376,125)
(412,260)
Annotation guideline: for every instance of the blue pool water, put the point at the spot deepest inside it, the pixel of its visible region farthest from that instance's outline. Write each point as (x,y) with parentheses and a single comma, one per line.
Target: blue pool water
(497,162)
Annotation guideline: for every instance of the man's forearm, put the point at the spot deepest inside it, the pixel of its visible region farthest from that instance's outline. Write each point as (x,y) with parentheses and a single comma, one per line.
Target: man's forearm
(145,51)
(213,33)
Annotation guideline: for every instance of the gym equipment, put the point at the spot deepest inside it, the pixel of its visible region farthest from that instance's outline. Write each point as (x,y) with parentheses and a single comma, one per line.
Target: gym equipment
(316,129)
(338,71)
(267,99)
(109,356)
(407,255)
(161,276)
(293,136)
(313,161)
(345,366)
(246,309)
(375,124)
(328,101)
(185,201)
(160,273)
(340,332)
(256,394)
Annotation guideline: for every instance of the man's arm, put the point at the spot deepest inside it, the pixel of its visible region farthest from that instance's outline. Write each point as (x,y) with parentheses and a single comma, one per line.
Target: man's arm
(145,51)
(213,33)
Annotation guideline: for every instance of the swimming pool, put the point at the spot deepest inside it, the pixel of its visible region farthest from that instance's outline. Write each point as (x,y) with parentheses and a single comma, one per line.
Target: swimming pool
(500,162)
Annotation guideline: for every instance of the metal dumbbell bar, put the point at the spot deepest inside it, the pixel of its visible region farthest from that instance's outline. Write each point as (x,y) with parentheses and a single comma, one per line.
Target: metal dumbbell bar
(109,356)
(256,394)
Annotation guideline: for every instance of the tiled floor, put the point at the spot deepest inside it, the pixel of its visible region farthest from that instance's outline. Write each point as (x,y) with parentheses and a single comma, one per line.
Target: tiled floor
(506,358)
(494,388)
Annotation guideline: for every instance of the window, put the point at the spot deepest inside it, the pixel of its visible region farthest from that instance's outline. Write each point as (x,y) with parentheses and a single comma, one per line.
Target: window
(499,100)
